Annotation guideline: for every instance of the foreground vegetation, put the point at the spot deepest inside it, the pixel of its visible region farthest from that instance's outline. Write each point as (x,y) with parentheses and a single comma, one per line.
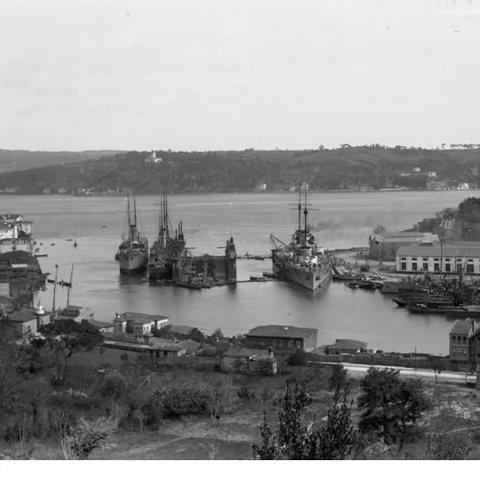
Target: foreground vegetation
(104,404)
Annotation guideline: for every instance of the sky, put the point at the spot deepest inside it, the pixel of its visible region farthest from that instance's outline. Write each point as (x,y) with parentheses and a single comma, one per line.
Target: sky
(199,75)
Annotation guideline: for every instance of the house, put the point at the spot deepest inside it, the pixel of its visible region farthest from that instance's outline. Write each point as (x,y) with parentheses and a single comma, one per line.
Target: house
(384,246)
(76,313)
(181,331)
(138,324)
(345,346)
(246,360)
(156,348)
(24,322)
(283,339)
(459,340)
(152,158)
(453,257)
(15,233)
(103,327)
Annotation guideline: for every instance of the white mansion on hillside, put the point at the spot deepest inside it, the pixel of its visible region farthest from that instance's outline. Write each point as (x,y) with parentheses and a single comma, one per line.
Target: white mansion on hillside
(448,258)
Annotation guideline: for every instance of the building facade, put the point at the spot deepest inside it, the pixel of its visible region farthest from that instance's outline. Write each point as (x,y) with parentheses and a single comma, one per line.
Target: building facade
(385,246)
(282,339)
(451,258)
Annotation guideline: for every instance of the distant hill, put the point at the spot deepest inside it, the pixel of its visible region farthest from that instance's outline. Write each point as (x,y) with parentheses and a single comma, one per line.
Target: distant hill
(348,168)
(13,160)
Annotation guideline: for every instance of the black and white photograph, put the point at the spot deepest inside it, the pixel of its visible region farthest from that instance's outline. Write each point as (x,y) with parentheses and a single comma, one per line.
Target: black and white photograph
(239,231)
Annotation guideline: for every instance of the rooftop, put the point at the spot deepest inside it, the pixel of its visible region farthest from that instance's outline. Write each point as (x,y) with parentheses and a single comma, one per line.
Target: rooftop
(24,315)
(464,249)
(281,331)
(348,343)
(139,317)
(181,329)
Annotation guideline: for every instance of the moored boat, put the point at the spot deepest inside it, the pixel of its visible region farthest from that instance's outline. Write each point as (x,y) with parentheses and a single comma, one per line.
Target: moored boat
(133,251)
(301,261)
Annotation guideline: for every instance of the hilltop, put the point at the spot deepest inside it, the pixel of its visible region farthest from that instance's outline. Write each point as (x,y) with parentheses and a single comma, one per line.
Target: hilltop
(348,168)
(14,160)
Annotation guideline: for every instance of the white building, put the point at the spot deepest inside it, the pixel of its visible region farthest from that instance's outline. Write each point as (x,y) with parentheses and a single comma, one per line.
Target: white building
(440,258)
(15,233)
(152,158)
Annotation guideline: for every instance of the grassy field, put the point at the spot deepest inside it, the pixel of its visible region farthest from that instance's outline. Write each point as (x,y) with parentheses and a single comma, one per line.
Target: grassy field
(231,434)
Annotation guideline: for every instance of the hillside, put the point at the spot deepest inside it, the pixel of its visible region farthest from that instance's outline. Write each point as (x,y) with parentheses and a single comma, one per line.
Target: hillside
(13,160)
(347,168)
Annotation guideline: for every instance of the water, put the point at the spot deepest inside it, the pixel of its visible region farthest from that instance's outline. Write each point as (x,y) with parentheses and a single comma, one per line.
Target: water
(341,220)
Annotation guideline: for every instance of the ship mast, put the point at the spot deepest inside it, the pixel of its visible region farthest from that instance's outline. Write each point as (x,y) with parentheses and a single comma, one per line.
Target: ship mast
(300,207)
(70,287)
(135,211)
(129,222)
(305,212)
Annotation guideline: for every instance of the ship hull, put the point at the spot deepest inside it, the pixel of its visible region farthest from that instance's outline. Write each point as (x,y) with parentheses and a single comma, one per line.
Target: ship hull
(160,272)
(311,279)
(132,263)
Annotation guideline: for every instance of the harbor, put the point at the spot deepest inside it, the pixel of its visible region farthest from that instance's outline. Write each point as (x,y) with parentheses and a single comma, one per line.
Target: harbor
(338,312)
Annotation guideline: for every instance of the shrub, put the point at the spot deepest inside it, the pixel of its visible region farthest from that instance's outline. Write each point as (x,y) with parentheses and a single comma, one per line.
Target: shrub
(182,401)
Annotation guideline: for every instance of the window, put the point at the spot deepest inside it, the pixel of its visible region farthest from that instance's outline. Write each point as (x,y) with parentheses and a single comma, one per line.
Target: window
(470,268)
(425,266)
(414,266)
(447,267)
(436,267)
(403,266)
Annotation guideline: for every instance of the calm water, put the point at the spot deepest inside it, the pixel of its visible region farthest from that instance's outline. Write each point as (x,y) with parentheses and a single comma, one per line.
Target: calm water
(341,220)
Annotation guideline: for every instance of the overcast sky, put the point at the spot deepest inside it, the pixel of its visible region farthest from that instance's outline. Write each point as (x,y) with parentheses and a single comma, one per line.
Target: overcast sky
(221,74)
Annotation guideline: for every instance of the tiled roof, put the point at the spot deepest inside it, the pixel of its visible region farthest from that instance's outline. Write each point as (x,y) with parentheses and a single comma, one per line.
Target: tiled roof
(282,331)
(98,324)
(471,249)
(141,317)
(23,315)
(463,327)
(347,343)
(181,329)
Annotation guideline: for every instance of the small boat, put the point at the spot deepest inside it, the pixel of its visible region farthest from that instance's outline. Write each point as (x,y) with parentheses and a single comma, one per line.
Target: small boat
(366,284)
(258,279)
(352,284)
(399,302)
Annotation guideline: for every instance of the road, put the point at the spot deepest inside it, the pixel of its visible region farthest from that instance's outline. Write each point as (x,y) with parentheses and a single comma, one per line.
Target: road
(452,377)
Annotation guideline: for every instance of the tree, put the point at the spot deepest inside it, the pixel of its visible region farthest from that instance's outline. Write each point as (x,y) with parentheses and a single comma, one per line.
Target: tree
(80,441)
(379,229)
(391,406)
(295,439)
(338,377)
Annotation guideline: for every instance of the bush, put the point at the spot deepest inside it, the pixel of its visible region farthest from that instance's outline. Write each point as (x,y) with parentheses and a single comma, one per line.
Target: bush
(183,401)
(297,358)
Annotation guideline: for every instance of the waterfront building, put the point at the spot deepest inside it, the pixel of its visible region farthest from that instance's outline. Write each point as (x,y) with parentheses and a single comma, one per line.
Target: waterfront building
(138,324)
(384,246)
(282,339)
(24,322)
(343,345)
(156,348)
(451,258)
(464,344)
(15,233)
